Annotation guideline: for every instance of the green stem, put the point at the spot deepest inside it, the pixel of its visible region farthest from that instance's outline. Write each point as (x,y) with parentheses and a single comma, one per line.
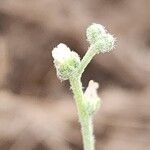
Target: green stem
(86,59)
(84,118)
(87,133)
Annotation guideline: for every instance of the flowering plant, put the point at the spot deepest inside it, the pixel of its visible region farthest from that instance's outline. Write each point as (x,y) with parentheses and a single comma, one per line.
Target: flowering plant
(69,67)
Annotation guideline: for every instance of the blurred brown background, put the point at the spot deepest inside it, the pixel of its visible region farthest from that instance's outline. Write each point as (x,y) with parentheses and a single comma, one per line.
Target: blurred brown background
(37,111)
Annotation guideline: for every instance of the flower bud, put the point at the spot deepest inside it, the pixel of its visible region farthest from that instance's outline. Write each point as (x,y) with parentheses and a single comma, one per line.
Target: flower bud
(100,39)
(65,61)
(105,43)
(94,32)
(92,100)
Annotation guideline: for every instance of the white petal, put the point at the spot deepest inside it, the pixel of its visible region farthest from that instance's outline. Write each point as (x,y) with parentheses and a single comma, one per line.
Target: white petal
(61,52)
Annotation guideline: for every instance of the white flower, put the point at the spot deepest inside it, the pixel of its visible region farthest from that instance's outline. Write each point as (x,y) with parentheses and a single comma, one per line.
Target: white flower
(65,60)
(61,53)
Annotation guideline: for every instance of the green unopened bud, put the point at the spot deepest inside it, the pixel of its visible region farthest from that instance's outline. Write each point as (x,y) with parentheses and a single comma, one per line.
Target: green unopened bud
(92,100)
(65,60)
(100,39)
(105,43)
(94,32)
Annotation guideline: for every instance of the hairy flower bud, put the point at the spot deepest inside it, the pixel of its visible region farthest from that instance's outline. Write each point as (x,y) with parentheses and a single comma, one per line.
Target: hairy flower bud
(100,39)
(105,44)
(65,60)
(94,32)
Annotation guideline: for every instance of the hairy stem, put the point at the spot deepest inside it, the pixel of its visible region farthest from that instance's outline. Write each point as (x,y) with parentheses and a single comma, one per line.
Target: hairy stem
(86,59)
(84,118)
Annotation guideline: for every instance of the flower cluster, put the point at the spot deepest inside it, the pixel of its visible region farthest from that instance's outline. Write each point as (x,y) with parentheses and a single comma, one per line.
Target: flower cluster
(99,38)
(65,60)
